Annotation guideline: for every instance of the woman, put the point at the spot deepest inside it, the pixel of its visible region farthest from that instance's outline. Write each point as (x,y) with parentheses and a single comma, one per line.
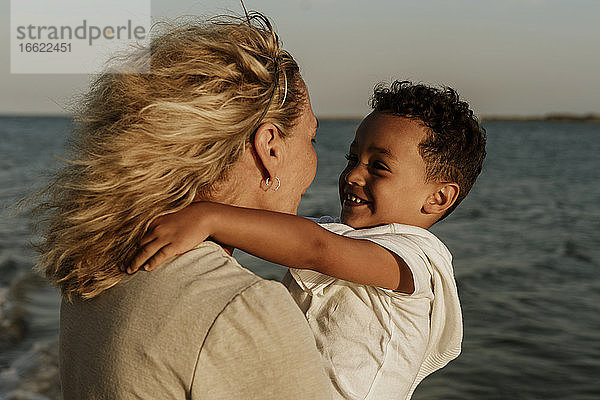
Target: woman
(223,115)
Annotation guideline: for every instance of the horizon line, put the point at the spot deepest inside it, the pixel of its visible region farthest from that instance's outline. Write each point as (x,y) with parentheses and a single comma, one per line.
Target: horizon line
(590,116)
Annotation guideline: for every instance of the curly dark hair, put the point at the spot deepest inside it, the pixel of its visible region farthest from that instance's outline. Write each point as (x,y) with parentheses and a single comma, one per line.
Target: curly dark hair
(454,148)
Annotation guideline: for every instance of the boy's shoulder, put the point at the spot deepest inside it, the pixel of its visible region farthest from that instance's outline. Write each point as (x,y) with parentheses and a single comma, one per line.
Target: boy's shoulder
(407,241)
(424,236)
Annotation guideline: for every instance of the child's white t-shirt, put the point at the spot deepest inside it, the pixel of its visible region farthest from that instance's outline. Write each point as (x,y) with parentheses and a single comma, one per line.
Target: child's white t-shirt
(376,343)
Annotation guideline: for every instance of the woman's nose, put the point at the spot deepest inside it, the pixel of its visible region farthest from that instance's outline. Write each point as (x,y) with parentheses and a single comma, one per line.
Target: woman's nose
(356,175)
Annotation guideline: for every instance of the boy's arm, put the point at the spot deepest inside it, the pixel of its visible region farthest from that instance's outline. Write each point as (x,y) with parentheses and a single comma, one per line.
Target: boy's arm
(282,239)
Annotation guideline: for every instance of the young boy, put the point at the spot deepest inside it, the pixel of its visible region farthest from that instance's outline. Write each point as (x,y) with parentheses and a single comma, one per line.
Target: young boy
(377,288)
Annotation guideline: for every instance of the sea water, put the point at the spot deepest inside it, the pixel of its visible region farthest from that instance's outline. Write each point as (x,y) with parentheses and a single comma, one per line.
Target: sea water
(526,248)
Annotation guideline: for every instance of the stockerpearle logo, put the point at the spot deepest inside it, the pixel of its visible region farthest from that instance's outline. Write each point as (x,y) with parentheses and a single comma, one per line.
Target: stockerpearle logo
(68,36)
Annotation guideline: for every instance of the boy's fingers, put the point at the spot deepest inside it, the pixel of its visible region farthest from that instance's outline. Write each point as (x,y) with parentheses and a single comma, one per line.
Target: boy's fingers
(144,254)
(163,255)
(147,238)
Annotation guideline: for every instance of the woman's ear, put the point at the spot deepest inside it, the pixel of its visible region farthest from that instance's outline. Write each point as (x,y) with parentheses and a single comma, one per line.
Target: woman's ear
(268,146)
(442,199)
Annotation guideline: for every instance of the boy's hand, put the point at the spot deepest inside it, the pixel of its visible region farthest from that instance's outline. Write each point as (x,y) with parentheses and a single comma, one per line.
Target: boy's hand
(171,235)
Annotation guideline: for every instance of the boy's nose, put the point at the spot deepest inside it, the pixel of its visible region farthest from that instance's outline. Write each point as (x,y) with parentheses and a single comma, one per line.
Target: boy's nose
(356,175)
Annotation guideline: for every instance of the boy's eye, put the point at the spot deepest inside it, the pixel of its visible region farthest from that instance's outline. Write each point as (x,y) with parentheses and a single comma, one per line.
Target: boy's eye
(380,165)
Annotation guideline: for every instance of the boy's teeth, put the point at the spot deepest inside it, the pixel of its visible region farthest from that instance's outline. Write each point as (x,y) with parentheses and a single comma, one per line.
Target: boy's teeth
(353,198)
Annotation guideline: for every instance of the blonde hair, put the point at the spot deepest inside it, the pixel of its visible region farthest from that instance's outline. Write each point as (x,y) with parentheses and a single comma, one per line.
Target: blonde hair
(145,145)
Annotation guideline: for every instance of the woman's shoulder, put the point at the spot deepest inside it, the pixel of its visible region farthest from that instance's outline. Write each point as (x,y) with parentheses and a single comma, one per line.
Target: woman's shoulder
(208,268)
(213,277)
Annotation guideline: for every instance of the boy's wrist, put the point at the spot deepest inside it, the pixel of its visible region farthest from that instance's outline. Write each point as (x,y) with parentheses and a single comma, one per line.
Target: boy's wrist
(203,216)
(211,217)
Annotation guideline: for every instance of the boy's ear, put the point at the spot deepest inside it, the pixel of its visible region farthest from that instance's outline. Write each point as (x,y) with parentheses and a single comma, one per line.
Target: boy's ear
(442,199)
(268,146)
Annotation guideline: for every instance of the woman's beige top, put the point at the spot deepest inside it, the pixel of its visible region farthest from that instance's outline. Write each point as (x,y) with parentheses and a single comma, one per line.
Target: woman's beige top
(201,326)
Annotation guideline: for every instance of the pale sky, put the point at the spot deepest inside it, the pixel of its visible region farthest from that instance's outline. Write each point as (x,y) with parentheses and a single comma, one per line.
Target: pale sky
(506,57)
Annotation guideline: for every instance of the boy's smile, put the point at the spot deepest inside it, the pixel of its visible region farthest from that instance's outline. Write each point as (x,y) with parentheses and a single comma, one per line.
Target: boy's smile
(384,181)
